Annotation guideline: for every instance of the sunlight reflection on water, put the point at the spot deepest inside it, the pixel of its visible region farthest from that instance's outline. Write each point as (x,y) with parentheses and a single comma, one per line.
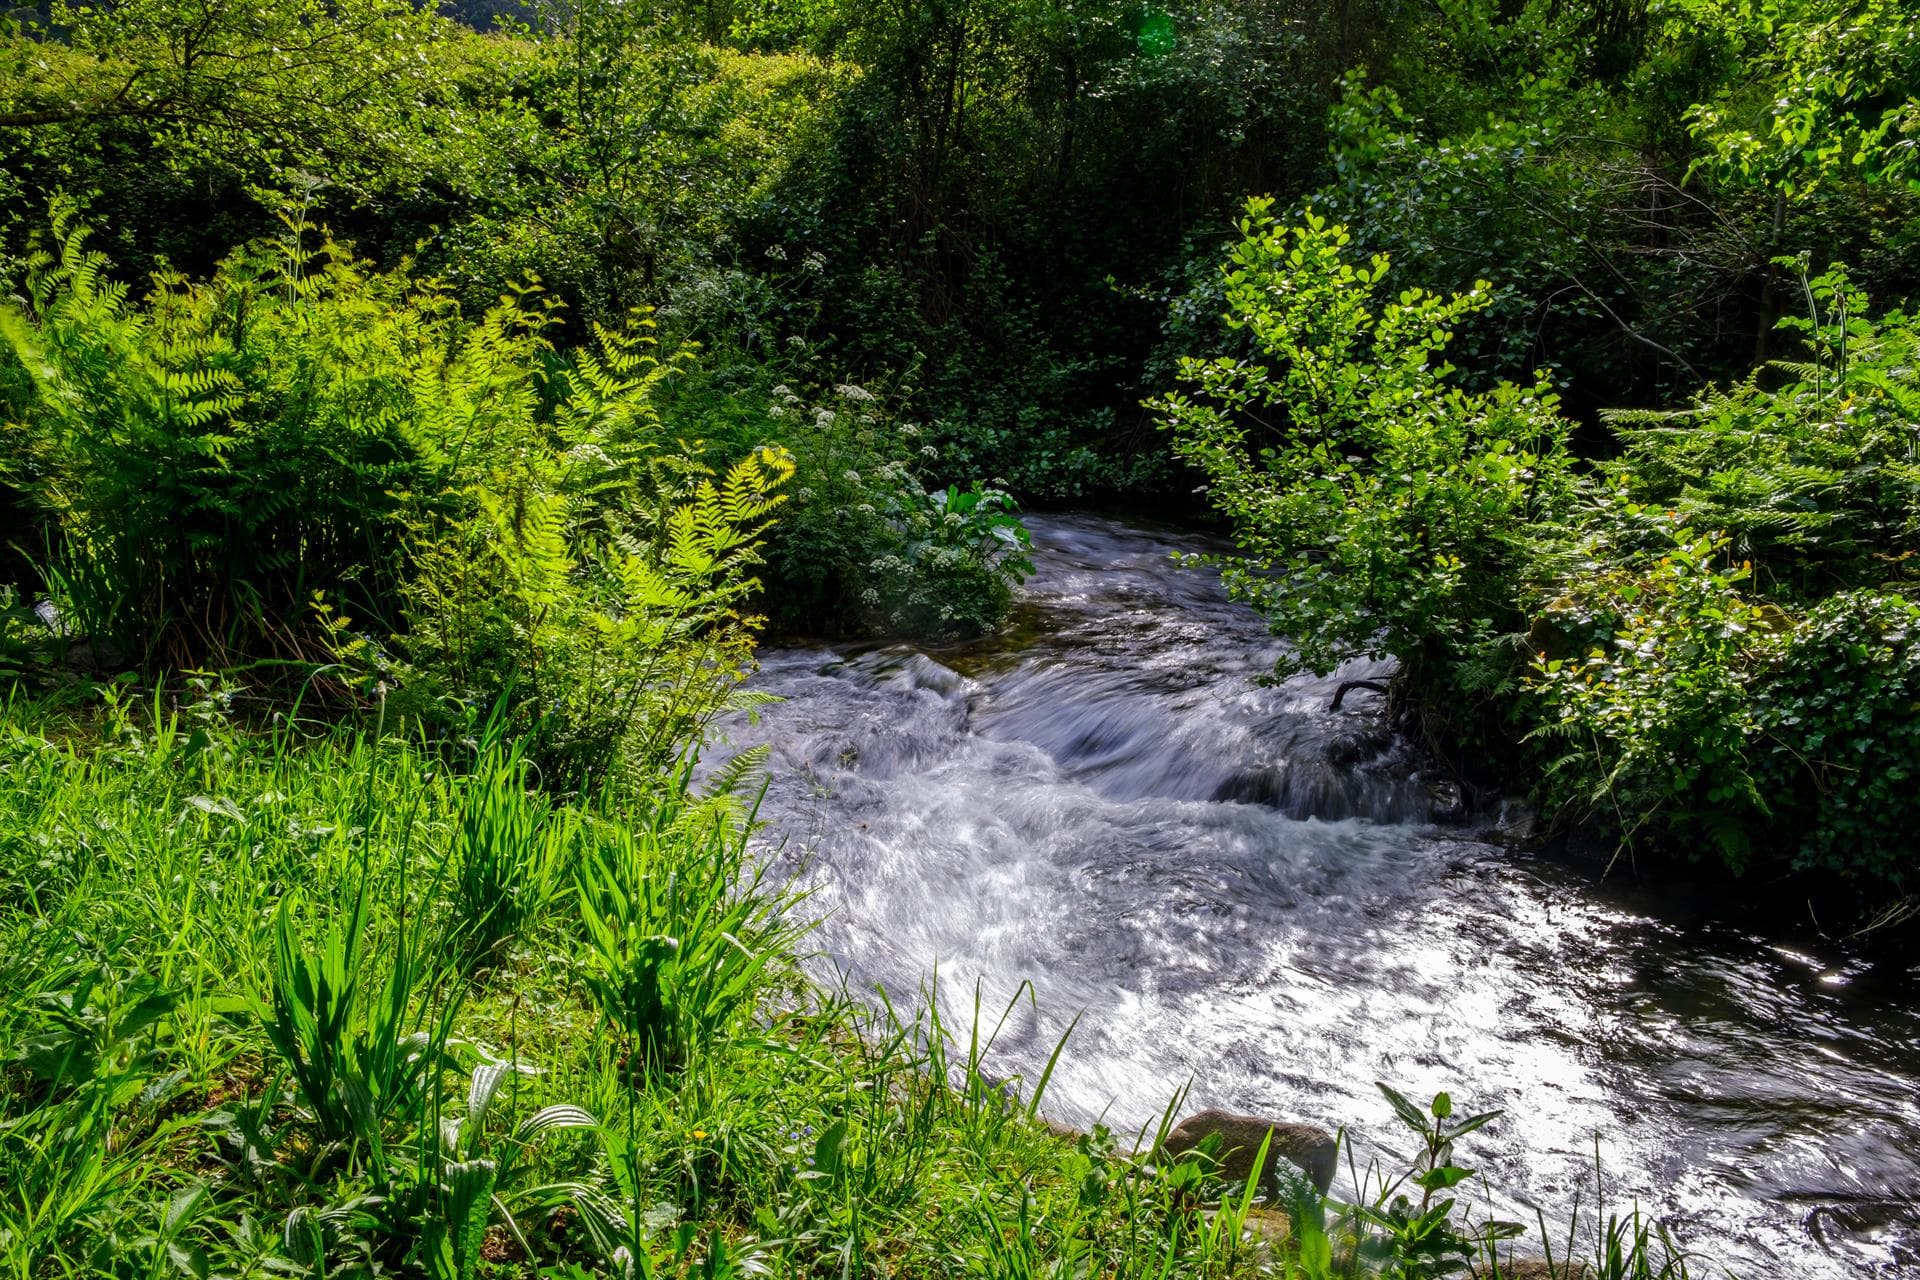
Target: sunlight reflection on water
(1067,809)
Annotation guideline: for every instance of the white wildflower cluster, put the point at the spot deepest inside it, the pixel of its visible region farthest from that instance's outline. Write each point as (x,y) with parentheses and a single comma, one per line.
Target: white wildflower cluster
(854,391)
(816,262)
(776,253)
(784,401)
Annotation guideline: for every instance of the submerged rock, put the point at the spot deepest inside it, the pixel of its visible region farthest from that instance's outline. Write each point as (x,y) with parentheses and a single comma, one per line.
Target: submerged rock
(1515,824)
(1355,745)
(1308,1146)
(1449,802)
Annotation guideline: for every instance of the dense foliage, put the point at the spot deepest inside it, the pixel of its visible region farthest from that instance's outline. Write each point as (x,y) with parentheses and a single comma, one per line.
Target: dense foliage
(1379,509)
(1706,638)
(226,467)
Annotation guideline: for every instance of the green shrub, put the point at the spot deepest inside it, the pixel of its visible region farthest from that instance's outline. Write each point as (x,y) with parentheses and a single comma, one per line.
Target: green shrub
(1745,690)
(1643,676)
(949,561)
(1811,467)
(593,582)
(1379,511)
(1838,727)
(209,459)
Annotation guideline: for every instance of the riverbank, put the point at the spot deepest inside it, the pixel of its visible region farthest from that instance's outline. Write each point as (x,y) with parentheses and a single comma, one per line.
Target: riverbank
(303,1000)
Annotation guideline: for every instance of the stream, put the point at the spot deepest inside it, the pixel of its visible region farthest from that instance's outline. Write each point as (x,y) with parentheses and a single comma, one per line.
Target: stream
(1240,892)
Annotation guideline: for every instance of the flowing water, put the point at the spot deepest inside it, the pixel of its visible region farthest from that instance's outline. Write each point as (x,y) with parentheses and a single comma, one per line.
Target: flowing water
(1239,891)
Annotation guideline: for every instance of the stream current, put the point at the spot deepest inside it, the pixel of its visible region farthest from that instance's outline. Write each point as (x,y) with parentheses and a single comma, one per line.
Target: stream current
(1240,892)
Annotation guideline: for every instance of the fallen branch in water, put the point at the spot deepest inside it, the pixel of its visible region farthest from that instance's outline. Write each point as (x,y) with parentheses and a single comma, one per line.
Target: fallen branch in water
(1347,686)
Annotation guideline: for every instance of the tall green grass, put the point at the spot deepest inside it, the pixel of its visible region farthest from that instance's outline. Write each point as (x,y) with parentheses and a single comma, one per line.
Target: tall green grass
(308,1001)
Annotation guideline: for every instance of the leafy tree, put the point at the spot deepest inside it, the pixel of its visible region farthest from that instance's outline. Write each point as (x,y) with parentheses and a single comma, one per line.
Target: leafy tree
(1827,91)
(267,88)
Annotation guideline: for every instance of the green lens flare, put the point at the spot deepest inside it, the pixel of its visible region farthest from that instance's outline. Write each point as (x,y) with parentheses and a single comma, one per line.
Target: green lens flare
(1156,35)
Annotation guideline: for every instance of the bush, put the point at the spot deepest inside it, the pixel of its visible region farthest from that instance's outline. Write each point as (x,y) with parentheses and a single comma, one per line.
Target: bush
(208,460)
(863,544)
(1379,511)
(1643,677)
(1740,690)
(1838,728)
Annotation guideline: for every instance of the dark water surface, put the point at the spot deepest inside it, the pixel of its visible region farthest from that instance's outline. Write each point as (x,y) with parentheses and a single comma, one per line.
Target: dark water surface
(1238,889)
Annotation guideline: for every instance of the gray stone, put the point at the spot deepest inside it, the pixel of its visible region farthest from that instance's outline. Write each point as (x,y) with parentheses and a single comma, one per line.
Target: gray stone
(1308,1146)
(1533,1269)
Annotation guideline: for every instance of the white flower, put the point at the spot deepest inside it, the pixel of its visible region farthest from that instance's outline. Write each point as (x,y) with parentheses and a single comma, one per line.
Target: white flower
(854,391)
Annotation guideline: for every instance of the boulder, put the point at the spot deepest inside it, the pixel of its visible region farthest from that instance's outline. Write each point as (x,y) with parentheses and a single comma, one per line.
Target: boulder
(1533,1269)
(1308,1146)
(1064,1132)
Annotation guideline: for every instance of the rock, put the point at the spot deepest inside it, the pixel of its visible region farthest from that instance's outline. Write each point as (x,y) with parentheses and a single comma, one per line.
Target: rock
(1357,745)
(1533,1269)
(1449,802)
(1308,1146)
(1064,1132)
(1515,824)
(1261,785)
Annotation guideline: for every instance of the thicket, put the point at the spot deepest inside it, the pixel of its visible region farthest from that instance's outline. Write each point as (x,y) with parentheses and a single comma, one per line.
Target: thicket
(301,464)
